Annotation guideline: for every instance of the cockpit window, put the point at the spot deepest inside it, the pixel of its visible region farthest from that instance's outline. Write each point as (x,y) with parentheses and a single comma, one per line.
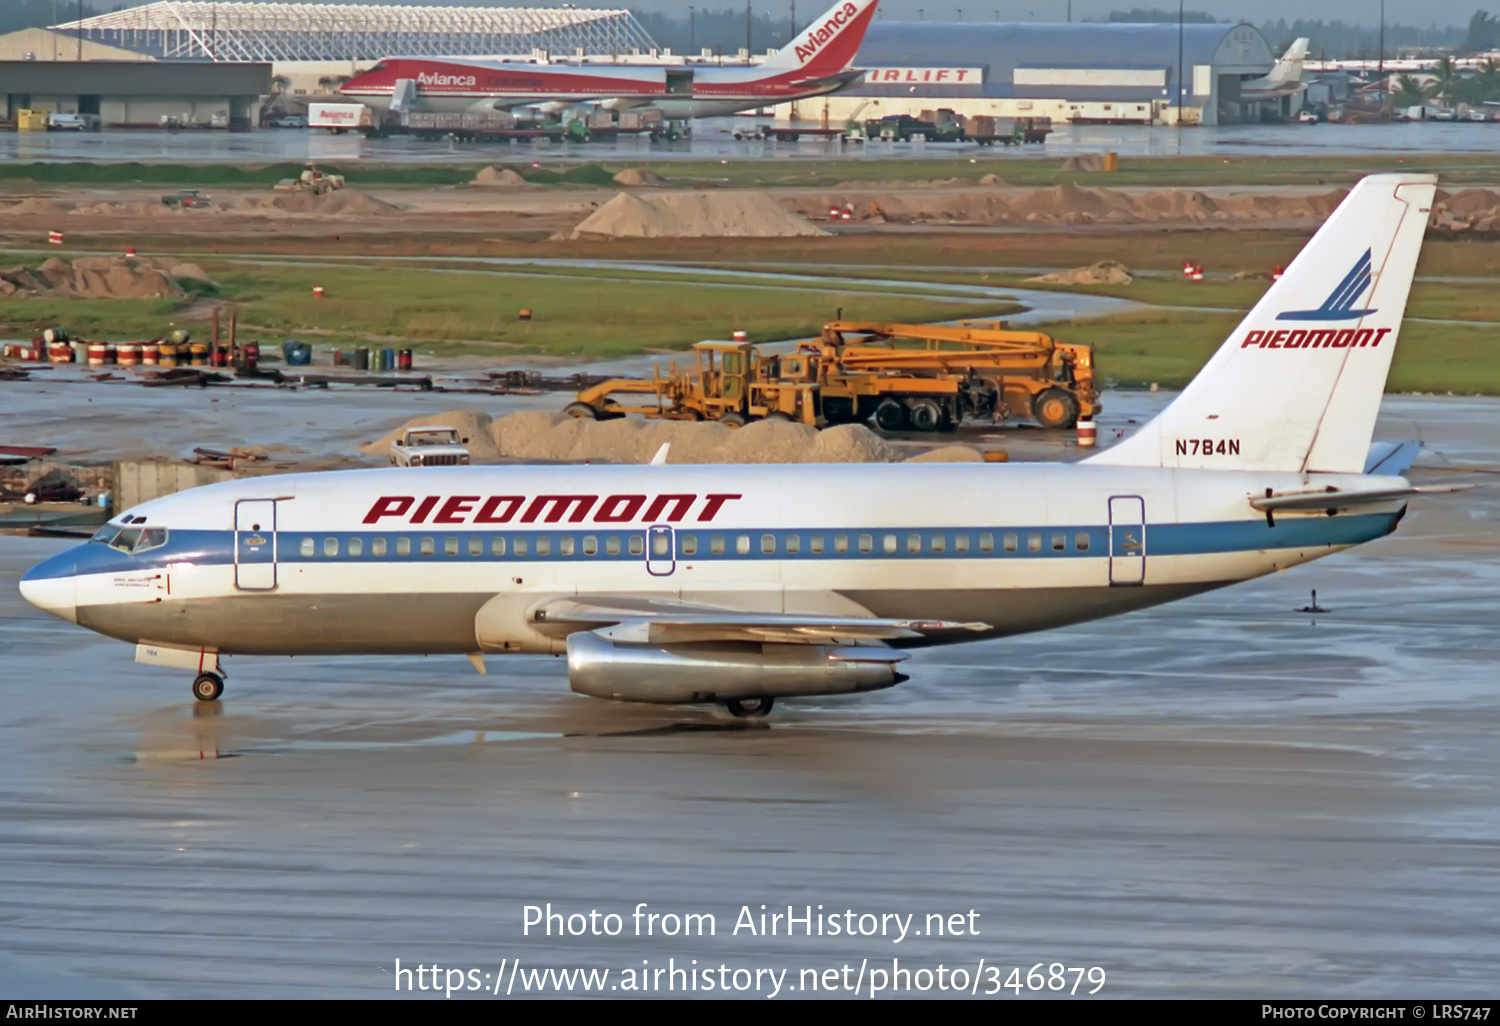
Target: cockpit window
(151,538)
(105,534)
(126,539)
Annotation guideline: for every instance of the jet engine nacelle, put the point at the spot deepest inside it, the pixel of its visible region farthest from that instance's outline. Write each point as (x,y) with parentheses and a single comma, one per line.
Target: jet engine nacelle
(720,671)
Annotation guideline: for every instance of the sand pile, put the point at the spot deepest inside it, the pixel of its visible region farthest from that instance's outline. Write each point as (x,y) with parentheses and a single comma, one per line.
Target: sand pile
(343,201)
(35,205)
(994,180)
(639,176)
(1105,272)
(499,176)
(1472,209)
(692,215)
(101,278)
(1084,162)
(541,435)
(950,454)
(1075,205)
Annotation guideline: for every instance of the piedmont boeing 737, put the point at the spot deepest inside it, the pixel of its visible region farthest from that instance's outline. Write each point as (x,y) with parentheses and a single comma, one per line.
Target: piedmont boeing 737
(742,584)
(816,63)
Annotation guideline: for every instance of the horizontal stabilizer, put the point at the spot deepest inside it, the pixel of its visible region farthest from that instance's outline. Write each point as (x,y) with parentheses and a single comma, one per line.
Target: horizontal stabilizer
(1333,498)
(1391,458)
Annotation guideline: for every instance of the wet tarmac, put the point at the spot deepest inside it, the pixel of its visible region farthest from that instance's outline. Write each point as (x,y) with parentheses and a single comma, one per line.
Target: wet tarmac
(713,139)
(1219,797)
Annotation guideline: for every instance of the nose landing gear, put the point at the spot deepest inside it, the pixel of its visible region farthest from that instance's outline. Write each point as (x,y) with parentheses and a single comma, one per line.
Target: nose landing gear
(207,687)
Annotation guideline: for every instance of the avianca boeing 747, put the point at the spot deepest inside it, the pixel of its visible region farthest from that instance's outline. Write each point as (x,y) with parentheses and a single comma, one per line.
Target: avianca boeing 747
(740,585)
(816,63)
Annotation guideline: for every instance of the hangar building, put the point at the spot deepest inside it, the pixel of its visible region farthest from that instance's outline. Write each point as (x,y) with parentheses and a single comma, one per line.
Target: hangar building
(1084,72)
(137,93)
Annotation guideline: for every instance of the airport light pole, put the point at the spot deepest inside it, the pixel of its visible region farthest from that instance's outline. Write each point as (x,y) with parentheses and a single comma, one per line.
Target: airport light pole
(1381,65)
(748,48)
(692,35)
(1179,63)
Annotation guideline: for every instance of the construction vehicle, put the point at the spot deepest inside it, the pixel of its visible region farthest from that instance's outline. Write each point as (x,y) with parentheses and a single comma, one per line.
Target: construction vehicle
(856,370)
(311,180)
(187,199)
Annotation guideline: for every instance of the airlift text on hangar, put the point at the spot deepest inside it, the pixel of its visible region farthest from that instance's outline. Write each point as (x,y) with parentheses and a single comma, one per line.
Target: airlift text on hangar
(550,509)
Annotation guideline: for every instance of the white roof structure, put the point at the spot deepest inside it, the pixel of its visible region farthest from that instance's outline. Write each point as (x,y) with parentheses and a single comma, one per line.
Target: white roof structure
(233,31)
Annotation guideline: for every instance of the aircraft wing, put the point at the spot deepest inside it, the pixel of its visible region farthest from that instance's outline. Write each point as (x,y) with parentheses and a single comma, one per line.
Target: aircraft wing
(1332,498)
(669,621)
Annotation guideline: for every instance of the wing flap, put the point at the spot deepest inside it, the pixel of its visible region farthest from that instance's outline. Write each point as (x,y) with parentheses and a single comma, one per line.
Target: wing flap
(669,621)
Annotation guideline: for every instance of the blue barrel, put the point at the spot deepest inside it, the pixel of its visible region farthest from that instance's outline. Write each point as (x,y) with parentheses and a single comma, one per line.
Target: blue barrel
(388,359)
(296,354)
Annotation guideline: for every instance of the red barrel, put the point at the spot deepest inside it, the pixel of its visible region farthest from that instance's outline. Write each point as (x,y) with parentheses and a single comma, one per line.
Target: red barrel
(98,354)
(403,360)
(128,353)
(250,355)
(741,336)
(150,353)
(220,356)
(1088,434)
(59,352)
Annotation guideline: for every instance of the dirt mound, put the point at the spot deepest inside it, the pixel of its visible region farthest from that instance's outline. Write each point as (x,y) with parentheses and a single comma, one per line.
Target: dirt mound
(950,454)
(1476,209)
(1105,272)
(343,201)
(994,180)
(541,435)
(692,215)
(1084,162)
(101,278)
(499,176)
(36,205)
(639,176)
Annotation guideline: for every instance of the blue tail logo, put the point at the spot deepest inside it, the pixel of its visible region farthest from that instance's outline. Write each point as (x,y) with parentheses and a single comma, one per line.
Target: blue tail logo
(1340,305)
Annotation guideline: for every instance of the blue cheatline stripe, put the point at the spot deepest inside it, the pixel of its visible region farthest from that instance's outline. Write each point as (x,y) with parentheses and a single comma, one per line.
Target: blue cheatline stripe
(208,548)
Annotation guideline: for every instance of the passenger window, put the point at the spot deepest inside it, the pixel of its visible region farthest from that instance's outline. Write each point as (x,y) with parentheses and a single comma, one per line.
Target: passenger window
(1033,543)
(126,539)
(565,546)
(450,546)
(544,546)
(815,543)
(497,545)
(428,547)
(476,545)
(612,545)
(689,544)
(636,544)
(914,543)
(716,545)
(377,546)
(768,543)
(307,548)
(793,544)
(356,547)
(742,545)
(1081,541)
(403,546)
(841,543)
(888,543)
(519,546)
(939,543)
(330,547)
(1059,542)
(986,542)
(960,543)
(866,543)
(1012,542)
(661,545)
(590,545)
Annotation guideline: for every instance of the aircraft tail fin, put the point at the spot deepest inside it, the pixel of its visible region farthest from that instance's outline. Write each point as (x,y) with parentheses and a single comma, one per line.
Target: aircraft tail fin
(829,44)
(1289,68)
(1297,386)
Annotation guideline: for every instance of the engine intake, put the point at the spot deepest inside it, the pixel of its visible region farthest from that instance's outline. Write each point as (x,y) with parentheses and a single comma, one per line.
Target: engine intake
(719,671)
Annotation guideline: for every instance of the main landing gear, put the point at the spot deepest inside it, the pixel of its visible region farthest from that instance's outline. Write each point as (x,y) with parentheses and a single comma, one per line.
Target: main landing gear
(750,708)
(207,687)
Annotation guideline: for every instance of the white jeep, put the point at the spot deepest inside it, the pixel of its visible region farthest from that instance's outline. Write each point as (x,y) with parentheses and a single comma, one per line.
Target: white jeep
(429,447)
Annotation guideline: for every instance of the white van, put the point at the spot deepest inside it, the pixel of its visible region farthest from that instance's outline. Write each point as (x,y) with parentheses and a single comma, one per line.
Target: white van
(74,122)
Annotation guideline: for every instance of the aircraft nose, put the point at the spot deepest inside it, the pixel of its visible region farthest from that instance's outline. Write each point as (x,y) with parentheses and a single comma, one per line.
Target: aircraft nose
(50,586)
